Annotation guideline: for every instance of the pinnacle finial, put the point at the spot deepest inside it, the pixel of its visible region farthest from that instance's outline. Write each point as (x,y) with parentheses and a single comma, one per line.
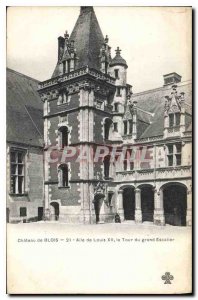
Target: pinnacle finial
(66,35)
(106,39)
(117,51)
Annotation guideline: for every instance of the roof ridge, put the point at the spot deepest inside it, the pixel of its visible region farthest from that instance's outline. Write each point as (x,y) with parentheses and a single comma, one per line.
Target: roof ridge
(21,74)
(164,87)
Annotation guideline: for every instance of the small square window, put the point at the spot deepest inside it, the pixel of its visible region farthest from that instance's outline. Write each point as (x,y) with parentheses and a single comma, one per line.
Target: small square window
(118,92)
(116,71)
(116,107)
(115,125)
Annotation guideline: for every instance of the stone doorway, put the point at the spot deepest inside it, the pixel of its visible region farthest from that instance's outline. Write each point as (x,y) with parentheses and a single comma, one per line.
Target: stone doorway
(175,204)
(54,211)
(129,203)
(98,201)
(147,203)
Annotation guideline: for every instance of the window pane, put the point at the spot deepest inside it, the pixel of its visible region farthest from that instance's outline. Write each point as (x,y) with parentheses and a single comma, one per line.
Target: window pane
(65,176)
(20,169)
(106,166)
(116,107)
(170,160)
(125,127)
(131,165)
(13,184)
(20,184)
(178,148)
(125,165)
(178,159)
(177,116)
(170,149)
(115,125)
(23,211)
(130,126)
(118,91)
(13,156)
(116,73)
(20,157)
(13,169)
(171,120)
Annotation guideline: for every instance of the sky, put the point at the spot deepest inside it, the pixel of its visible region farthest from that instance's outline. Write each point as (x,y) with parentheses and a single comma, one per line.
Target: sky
(154,40)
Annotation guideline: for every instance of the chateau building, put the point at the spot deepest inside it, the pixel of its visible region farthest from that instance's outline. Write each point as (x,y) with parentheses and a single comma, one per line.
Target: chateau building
(89,104)
(106,150)
(24,118)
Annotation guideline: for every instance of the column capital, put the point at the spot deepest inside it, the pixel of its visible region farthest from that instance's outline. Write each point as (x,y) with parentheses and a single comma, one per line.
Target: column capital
(137,190)
(120,191)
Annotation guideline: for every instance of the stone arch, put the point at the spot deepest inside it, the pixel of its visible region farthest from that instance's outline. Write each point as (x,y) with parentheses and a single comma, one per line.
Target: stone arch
(128,194)
(175,203)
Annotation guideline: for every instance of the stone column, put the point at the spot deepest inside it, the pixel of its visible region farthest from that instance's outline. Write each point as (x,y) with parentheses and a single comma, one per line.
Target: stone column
(159,218)
(119,207)
(189,208)
(138,210)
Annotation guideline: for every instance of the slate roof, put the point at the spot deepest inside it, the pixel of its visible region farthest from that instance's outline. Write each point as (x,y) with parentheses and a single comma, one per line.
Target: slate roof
(153,101)
(118,60)
(24,110)
(88,39)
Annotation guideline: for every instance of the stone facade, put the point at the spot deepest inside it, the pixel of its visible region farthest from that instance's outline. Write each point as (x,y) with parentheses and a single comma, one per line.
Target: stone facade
(95,107)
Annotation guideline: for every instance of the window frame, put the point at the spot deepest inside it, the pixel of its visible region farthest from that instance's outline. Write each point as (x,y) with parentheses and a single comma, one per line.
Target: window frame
(174,155)
(17,188)
(61,168)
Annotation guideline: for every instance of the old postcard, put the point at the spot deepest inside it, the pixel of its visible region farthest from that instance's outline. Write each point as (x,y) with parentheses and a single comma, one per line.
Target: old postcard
(99,150)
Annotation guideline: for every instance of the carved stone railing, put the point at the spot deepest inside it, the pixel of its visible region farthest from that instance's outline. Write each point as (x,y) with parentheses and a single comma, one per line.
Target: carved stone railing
(173,129)
(152,174)
(75,74)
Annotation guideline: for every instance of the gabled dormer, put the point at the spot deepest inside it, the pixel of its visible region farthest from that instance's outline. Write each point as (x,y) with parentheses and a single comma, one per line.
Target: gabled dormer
(105,55)
(67,58)
(174,114)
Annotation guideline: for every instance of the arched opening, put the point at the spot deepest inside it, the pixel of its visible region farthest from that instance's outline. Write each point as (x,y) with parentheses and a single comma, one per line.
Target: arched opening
(98,200)
(64,134)
(54,211)
(129,203)
(106,163)
(175,204)
(107,128)
(147,203)
(63,175)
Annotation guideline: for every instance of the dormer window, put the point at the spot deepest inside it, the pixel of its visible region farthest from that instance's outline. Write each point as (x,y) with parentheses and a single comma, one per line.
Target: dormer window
(174,119)
(116,72)
(128,127)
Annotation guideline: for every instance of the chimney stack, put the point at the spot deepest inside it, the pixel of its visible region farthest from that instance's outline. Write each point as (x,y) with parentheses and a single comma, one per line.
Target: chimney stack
(171,78)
